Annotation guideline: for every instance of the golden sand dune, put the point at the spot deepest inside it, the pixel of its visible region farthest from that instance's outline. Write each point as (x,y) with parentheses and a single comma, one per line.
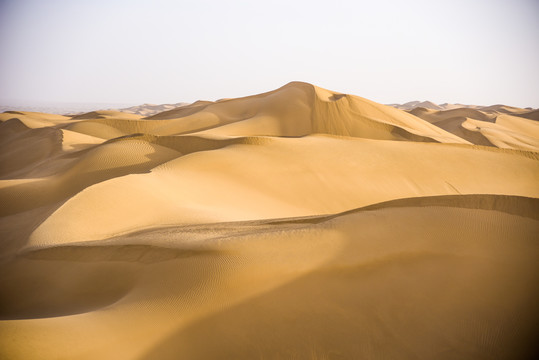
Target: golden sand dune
(434,116)
(504,109)
(34,119)
(296,109)
(532,115)
(499,108)
(151,109)
(107,114)
(344,174)
(295,224)
(501,126)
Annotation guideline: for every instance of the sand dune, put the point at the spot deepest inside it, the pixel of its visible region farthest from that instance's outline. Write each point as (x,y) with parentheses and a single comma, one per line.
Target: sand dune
(296,109)
(411,105)
(345,173)
(532,115)
(498,108)
(503,129)
(300,223)
(434,116)
(34,119)
(504,109)
(415,104)
(151,109)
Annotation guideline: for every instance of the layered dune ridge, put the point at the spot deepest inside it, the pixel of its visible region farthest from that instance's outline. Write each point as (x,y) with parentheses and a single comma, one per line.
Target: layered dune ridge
(300,223)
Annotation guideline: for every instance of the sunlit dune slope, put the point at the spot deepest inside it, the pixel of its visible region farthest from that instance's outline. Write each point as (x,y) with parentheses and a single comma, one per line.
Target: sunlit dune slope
(300,223)
(285,177)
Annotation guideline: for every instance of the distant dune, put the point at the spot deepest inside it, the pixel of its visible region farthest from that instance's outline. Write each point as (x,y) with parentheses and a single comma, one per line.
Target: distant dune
(81,108)
(151,109)
(300,223)
(411,105)
(496,126)
(59,108)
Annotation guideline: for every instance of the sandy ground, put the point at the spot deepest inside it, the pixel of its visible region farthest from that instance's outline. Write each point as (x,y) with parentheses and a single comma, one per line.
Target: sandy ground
(296,224)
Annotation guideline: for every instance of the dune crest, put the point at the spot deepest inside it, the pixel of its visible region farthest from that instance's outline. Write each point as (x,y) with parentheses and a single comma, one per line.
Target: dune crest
(296,109)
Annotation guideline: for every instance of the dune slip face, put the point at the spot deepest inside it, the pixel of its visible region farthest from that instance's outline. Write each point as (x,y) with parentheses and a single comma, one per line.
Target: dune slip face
(300,223)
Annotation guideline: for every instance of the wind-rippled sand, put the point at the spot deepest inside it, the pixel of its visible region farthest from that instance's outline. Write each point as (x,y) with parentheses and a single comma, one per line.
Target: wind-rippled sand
(295,224)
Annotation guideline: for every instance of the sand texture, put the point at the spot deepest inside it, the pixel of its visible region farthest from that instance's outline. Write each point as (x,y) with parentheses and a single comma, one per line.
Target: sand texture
(300,223)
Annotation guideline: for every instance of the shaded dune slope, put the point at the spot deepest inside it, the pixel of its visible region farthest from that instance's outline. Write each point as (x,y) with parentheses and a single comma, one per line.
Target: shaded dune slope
(23,147)
(532,115)
(462,262)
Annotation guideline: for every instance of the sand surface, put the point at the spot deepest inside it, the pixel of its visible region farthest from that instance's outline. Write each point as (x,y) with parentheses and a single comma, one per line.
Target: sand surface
(300,223)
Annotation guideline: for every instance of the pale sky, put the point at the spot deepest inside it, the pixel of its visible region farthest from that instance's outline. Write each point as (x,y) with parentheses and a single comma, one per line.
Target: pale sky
(162,51)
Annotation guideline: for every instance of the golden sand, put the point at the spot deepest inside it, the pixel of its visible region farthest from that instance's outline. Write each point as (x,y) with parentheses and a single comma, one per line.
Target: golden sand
(300,223)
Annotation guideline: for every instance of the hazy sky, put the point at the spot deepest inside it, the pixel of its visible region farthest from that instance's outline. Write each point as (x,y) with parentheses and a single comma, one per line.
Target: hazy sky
(129,51)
